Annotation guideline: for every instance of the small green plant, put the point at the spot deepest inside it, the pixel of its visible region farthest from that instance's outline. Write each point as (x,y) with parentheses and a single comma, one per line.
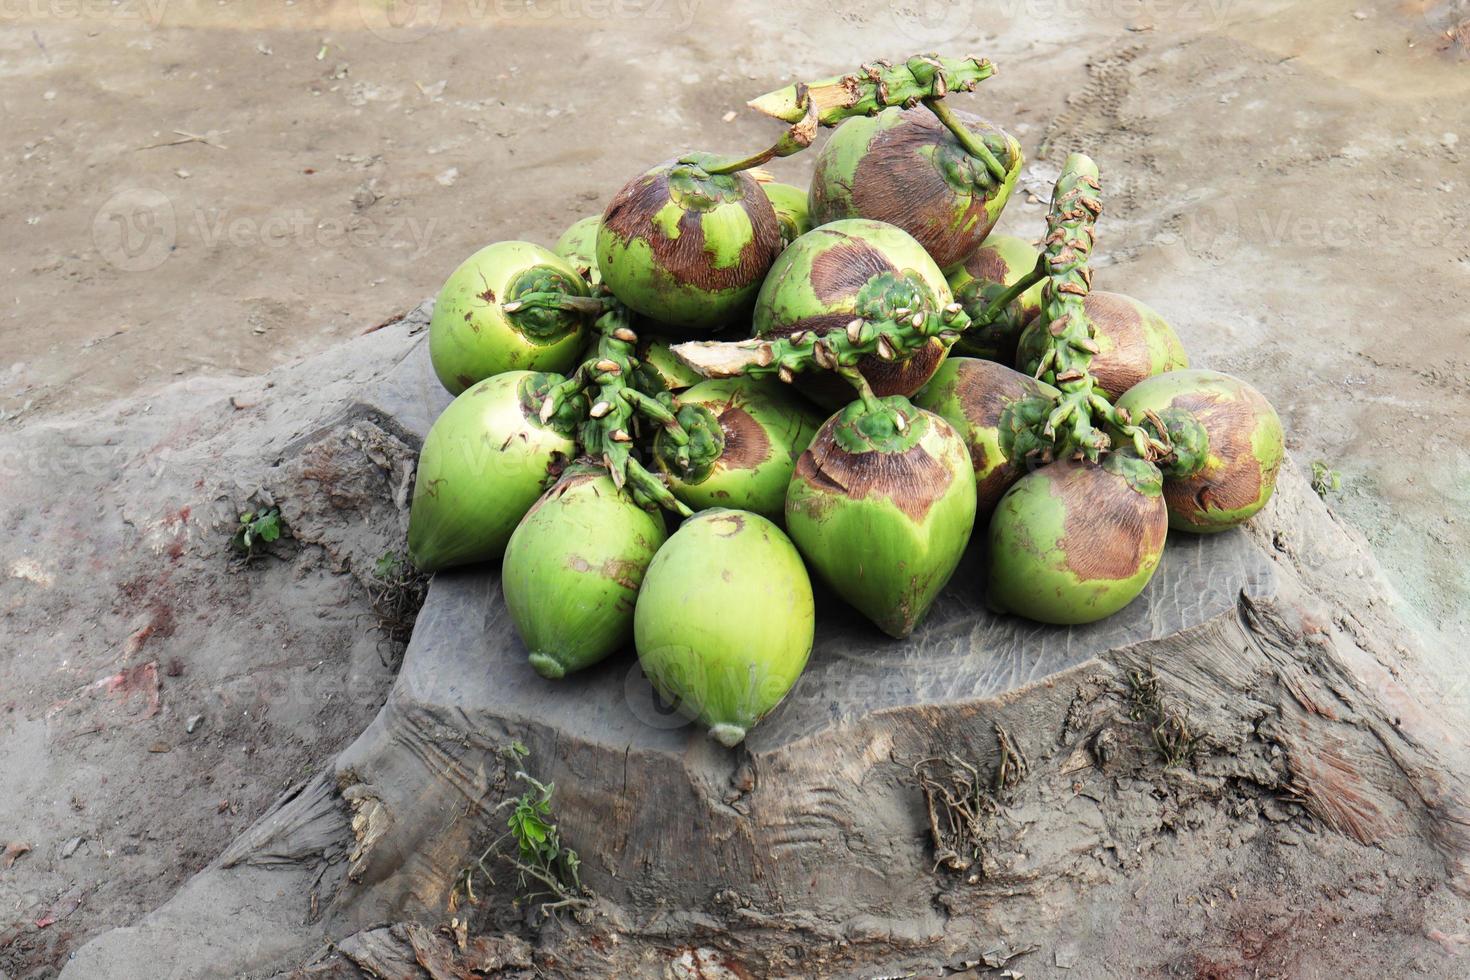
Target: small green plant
(1325,480)
(257,529)
(546,868)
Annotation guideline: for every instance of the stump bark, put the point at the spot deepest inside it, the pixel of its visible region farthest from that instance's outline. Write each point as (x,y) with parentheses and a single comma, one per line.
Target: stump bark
(987,790)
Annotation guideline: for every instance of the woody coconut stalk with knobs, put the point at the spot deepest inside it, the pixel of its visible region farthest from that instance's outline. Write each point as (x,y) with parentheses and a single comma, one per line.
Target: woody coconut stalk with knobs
(1079,538)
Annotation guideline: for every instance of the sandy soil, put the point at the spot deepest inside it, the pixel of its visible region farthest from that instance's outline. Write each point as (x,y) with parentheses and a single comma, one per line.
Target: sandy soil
(196,188)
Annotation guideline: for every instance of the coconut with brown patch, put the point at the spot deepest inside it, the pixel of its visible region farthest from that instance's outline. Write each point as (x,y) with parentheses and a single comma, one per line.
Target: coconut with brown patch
(1228,446)
(744,437)
(985,402)
(1076,541)
(572,571)
(907,168)
(881,505)
(686,244)
(850,272)
(1133,343)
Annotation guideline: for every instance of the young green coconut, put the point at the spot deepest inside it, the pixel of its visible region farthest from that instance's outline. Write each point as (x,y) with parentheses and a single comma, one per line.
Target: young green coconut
(656,355)
(572,571)
(881,505)
(1133,343)
(1227,446)
(791,210)
(744,437)
(578,245)
(485,461)
(940,175)
(988,403)
(512,306)
(982,278)
(1076,541)
(860,277)
(689,241)
(725,620)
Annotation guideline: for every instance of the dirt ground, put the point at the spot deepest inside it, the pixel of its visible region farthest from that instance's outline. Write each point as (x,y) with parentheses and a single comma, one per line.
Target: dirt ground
(192,188)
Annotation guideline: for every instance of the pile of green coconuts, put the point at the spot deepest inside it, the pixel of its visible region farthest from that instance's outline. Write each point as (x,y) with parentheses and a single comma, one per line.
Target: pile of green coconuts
(841,380)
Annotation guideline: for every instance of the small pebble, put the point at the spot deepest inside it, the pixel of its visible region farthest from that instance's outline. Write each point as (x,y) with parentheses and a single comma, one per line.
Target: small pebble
(193,723)
(70,847)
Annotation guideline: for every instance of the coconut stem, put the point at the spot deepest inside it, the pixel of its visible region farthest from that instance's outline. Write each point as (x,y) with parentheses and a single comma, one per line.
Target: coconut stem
(793,141)
(972,143)
(855,378)
(998,306)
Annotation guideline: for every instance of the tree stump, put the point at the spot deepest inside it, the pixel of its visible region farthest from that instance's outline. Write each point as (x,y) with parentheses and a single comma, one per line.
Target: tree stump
(946,802)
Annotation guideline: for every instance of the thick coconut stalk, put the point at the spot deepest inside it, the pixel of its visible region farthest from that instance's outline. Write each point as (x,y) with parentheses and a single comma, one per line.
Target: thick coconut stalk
(1227,446)
(744,437)
(874,87)
(1133,342)
(983,277)
(622,395)
(485,461)
(988,403)
(511,306)
(572,571)
(686,243)
(909,168)
(882,505)
(1076,541)
(725,620)
(856,276)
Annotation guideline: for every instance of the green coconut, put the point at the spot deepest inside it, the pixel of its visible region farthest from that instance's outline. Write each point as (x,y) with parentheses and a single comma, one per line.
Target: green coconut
(791,210)
(1226,462)
(1133,342)
(655,354)
(473,336)
(745,437)
(1074,541)
(881,505)
(998,264)
(686,246)
(485,461)
(572,571)
(578,245)
(725,620)
(986,402)
(904,167)
(855,269)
